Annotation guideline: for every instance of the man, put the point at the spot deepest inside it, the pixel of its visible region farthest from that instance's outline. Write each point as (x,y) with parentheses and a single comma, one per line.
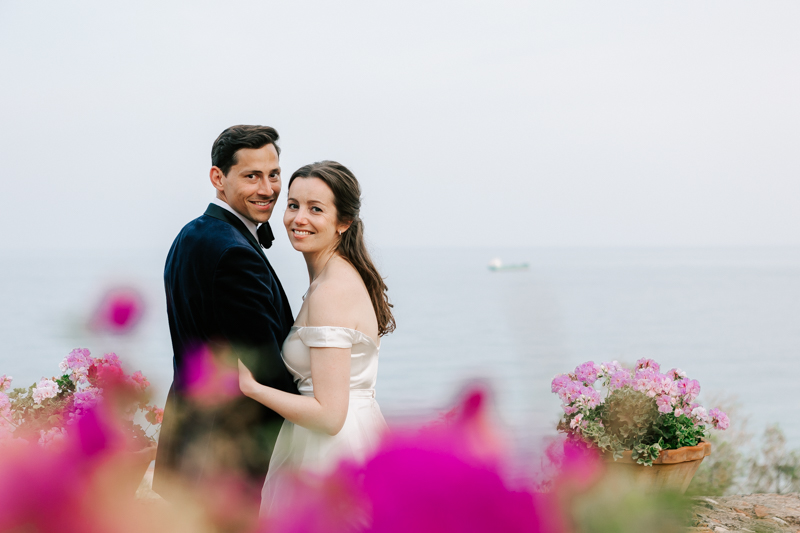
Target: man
(223,298)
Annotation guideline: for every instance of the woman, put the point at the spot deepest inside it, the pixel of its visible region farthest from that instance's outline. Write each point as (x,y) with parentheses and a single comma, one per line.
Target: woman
(332,350)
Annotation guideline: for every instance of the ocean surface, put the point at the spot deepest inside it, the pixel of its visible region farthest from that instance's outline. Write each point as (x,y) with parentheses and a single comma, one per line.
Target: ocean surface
(729,317)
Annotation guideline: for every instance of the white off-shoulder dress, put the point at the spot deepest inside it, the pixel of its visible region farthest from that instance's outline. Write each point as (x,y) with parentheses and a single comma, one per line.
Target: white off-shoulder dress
(298,448)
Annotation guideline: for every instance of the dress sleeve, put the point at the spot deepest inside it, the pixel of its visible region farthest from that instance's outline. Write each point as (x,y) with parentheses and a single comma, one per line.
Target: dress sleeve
(327,337)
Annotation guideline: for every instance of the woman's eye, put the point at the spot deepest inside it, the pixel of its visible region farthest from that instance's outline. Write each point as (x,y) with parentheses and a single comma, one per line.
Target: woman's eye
(292,206)
(316,209)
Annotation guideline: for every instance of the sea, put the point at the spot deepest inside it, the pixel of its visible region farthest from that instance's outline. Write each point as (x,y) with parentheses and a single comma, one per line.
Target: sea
(728,317)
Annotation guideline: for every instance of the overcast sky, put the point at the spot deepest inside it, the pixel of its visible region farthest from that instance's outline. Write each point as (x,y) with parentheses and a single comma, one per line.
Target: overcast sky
(468,123)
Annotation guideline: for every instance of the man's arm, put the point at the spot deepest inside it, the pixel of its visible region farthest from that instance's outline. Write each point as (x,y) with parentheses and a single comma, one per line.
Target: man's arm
(243,305)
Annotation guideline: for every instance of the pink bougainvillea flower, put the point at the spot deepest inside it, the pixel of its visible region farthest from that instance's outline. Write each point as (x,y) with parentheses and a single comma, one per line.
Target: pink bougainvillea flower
(443,478)
(119,311)
(154,415)
(209,379)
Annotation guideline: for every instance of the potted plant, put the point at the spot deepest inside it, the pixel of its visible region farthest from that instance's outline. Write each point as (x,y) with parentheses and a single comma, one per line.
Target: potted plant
(44,412)
(638,418)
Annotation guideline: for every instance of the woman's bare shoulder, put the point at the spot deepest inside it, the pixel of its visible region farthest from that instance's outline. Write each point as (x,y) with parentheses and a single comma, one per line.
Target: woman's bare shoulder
(339,298)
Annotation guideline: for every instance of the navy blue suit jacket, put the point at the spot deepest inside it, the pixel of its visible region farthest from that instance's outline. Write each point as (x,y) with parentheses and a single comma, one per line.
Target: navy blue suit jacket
(223,294)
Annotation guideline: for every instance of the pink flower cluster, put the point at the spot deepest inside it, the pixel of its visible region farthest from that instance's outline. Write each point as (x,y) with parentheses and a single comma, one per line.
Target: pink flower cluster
(47,388)
(674,392)
(6,426)
(154,415)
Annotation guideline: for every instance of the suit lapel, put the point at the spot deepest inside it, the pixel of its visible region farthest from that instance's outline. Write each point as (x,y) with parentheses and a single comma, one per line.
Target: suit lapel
(219,213)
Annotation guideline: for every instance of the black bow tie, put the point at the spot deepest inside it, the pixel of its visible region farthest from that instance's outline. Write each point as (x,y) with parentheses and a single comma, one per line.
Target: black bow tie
(265,236)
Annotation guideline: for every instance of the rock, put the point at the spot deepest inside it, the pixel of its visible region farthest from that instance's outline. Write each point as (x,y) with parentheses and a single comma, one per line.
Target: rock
(760,511)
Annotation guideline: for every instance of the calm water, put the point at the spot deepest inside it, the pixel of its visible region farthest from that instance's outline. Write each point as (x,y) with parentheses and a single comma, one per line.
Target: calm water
(729,317)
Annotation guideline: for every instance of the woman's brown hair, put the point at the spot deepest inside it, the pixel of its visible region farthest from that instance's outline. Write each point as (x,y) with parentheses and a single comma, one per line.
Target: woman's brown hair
(347,199)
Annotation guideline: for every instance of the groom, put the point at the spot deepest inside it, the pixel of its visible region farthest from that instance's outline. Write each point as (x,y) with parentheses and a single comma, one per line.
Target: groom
(223,298)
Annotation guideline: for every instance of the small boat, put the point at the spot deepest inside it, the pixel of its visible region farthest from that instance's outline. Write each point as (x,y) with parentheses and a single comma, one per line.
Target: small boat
(496,265)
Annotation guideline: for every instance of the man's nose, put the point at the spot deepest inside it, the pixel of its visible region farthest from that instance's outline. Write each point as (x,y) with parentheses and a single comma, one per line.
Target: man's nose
(265,187)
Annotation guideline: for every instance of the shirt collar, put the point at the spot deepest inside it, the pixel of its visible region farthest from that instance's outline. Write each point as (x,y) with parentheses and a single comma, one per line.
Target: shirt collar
(249,224)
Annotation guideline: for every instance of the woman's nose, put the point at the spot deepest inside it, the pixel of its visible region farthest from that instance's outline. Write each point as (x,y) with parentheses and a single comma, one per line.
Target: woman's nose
(300,217)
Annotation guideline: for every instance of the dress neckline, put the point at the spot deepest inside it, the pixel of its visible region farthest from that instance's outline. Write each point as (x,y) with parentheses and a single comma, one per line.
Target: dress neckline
(370,339)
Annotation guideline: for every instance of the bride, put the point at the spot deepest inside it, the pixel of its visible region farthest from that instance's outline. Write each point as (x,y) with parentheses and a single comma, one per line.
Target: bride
(332,350)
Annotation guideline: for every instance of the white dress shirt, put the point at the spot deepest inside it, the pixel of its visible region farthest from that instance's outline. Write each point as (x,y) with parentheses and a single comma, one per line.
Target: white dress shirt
(249,224)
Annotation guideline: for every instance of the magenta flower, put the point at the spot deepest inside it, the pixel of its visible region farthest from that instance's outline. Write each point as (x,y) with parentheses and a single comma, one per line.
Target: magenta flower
(719,419)
(439,479)
(208,380)
(119,311)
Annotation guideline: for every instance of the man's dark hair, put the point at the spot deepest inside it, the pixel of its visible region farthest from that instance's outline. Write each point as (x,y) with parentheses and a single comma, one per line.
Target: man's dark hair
(223,152)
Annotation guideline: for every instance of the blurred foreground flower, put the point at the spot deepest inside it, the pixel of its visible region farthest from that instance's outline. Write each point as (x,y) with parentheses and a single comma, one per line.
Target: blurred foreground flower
(119,311)
(445,477)
(211,378)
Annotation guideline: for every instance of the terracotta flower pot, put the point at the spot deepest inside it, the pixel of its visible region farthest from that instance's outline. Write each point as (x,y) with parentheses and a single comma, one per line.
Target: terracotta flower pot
(672,470)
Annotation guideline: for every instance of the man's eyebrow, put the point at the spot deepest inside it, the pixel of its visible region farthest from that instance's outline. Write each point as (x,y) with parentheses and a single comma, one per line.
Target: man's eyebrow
(251,171)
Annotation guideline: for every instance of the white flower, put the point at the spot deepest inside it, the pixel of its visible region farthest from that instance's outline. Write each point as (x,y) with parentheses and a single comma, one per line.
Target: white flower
(47,388)
(699,413)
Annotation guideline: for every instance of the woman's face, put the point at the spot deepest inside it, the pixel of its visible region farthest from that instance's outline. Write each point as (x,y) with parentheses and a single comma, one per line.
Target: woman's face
(310,217)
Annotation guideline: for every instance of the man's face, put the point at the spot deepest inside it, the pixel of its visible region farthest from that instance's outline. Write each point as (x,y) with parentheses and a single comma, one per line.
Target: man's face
(252,185)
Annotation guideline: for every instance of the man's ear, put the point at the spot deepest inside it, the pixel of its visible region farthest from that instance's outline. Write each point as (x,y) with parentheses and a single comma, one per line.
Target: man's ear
(216,176)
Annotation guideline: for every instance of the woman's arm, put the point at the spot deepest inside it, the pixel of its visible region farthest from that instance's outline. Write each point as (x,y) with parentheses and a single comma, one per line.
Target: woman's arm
(327,409)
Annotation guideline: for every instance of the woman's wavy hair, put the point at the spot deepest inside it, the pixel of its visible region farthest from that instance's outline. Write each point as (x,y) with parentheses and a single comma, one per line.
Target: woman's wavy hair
(347,199)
